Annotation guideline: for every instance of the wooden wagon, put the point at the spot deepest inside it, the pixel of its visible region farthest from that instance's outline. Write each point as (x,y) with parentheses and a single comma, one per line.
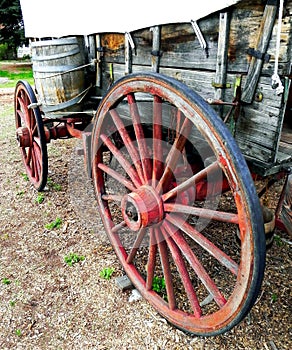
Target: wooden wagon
(178,117)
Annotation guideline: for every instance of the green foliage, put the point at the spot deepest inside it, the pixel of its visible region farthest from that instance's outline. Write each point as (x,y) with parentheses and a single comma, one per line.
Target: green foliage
(6,281)
(40,198)
(54,224)
(274,297)
(278,240)
(3,51)
(25,176)
(12,303)
(11,29)
(52,184)
(158,284)
(73,258)
(106,273)
(18,332)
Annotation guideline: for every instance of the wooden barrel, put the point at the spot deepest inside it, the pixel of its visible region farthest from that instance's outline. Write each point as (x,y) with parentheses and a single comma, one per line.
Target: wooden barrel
(59,78)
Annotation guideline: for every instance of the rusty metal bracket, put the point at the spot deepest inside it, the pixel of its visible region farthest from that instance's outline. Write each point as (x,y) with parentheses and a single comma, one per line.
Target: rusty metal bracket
(221,86)
(258,54)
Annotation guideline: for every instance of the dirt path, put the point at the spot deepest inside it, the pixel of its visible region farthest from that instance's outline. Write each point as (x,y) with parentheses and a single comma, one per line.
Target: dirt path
(47,304)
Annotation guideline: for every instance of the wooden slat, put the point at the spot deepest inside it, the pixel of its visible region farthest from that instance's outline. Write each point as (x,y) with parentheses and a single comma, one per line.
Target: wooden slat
(256,64)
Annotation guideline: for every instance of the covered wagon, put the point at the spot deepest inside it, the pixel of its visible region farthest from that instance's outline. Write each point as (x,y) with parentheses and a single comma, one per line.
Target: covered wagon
(180,108)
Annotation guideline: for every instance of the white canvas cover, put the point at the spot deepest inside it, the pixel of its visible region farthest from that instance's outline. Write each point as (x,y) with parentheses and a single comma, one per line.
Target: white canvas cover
(57,18)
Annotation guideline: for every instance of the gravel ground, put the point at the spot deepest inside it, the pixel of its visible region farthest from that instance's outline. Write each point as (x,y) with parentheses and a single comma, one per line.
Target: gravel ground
(47,304)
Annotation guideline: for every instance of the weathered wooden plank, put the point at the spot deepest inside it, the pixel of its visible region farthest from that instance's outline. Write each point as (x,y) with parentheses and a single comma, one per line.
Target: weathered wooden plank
(257,134)
(256,64)
(180,47)
(254,151)
(222,58)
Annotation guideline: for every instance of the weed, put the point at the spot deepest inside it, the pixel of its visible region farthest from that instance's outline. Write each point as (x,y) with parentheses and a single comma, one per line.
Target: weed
(73,258)
(40,198)
(51,183)
(106,273)
(57,187)
(54,224)
(6,281)
(278,240)
(274,297)
(25,176)
(18,332)
(20,193)
(12,303)
(4,236)
(158,284)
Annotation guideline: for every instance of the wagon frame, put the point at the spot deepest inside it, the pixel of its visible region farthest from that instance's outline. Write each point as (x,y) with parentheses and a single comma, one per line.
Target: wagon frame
(177,121)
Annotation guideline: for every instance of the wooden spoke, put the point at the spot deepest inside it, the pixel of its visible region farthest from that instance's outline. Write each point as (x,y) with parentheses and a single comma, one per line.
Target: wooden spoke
(174,154)
(162,247)
(196,265)
(136,245)
(142,146)
(128,142)
(117,176)
(202,212)
(190,182)
(184,274)
(157,141)
(122,160)
(151,260)
(223,258)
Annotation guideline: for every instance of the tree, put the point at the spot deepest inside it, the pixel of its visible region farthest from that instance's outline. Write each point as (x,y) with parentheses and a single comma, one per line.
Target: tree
(11,26)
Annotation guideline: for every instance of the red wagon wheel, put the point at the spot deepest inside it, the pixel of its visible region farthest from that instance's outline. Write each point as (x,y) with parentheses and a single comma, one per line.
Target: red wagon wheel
(31,135)
(173,189)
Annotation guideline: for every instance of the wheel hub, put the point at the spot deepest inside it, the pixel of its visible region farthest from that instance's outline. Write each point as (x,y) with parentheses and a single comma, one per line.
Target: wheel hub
(142,208)
(23,137)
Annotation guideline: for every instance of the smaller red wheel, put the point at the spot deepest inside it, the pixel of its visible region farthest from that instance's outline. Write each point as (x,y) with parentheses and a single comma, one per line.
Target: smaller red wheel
(30,135)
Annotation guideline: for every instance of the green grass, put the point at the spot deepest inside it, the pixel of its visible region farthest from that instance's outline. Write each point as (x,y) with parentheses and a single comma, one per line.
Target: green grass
(15,73)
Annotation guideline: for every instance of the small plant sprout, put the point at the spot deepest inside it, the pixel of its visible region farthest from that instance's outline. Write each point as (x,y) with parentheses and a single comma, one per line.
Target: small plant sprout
(73,258)
(106,273)
(278,240)
(54,224)
(56,187)
(158,284)
(274,297)
(25,176)
(40,198)
(6,281)
(18,332)
(12,303)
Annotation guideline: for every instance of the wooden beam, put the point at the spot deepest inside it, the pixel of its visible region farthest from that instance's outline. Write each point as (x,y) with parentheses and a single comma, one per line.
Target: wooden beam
(222,58)
(256,64)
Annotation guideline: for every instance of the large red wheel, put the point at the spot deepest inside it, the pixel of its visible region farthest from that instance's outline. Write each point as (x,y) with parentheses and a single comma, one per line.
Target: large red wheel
(173,189)
(31,135)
